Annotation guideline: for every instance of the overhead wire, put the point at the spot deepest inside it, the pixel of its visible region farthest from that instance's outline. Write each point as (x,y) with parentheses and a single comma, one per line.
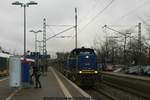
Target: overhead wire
(90,12)
(144,42)
(60,33)
(84,26)
(96,3)
(50,26)
(97,15)
(60,25)
(143,21)
(133,10)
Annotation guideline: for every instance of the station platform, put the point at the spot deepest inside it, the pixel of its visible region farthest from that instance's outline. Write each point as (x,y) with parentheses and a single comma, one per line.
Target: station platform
(54,87)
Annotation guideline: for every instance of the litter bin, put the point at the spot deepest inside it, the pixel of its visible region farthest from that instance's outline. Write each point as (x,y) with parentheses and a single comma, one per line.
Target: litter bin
(25,72)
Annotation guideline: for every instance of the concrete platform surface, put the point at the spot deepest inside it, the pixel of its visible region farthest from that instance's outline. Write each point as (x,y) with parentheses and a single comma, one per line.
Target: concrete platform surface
(54,87)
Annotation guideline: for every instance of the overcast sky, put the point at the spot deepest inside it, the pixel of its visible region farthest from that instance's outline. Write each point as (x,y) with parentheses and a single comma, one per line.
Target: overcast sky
(61,12)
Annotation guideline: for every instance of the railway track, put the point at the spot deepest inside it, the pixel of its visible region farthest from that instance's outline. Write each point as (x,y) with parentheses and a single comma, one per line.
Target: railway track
(116,86)
(139,86)
(99,95)
(131,87)
(107,92)
(104,93)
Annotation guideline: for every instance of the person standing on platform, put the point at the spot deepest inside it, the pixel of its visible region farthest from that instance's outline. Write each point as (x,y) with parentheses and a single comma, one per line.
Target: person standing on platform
(42,68)
(37,78)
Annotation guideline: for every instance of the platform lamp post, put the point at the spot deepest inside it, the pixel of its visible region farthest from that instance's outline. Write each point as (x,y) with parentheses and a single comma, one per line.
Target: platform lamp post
(24,5)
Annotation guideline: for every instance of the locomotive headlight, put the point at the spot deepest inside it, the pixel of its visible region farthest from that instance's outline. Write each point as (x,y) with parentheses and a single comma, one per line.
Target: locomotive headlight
(87,57)
(95,72)
(80,72)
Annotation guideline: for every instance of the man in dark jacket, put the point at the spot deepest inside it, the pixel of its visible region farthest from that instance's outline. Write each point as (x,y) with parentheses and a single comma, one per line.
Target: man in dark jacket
(37,74)
(37,77)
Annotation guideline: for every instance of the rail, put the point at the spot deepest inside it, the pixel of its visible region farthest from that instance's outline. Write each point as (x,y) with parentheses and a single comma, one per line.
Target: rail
(132,84)
(110,97)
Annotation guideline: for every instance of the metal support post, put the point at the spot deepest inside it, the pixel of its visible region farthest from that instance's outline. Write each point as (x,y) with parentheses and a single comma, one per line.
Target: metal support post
(24,31)
(139,46)
(76,45)
(44,47)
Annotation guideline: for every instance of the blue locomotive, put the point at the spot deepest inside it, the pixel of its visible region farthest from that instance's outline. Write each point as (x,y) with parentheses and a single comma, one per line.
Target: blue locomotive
(81,66)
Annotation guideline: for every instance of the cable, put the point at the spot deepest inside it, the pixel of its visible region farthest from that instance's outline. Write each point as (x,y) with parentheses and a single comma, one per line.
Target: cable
(60,25)
(112,25)
(105,26)
(126,35)
(123,16)
(97,15)
(143,21)
(89,12)
(60,33)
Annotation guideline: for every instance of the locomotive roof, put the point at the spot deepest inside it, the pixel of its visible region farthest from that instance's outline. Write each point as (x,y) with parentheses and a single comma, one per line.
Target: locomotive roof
(82,49)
